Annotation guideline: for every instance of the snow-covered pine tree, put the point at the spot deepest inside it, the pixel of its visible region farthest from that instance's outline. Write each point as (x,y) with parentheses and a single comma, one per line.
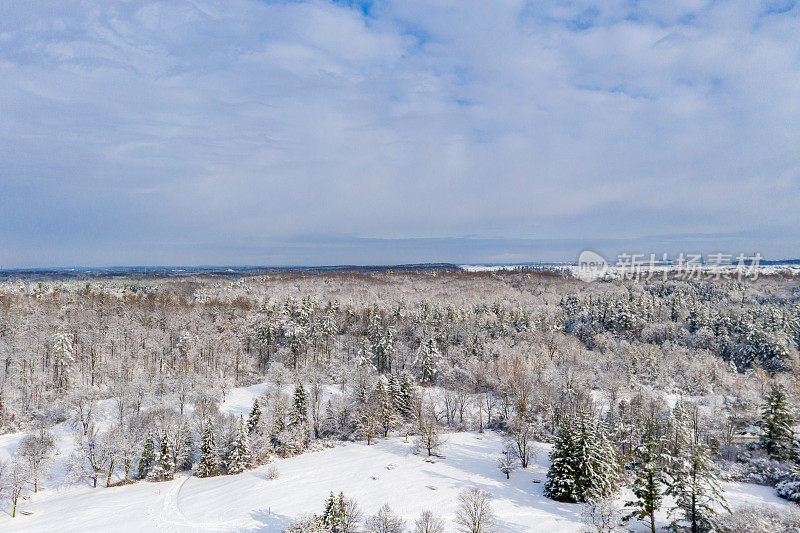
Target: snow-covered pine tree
(148,456)
(696,490)
(777,437)
(394,391)
(209,455)
(239,456)
(406,395)
(596,462)
(187,451)
(348,515)
(583,461)
(163,468)
(63,359)
(329,515)
(648,472)
(384,407)
(605,481)
(300,406)
(255,416)
(428,361)
(560,485)
(680,429)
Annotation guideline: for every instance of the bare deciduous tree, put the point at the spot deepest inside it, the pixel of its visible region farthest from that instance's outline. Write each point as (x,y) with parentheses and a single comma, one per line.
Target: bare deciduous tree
(428,523)
(474,513)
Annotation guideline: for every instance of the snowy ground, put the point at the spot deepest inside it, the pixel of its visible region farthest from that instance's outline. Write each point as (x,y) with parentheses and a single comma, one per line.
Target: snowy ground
(387,472)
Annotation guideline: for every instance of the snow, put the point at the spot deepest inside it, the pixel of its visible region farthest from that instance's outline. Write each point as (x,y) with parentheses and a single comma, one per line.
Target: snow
(386,472)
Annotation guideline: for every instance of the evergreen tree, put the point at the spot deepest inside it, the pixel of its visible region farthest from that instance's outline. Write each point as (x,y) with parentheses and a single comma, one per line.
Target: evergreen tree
(163,468)
(394,392)
(209,456)
(584,463)
(239,456)
(777,437)
(148,456)
(255,416)
(406,394)
(428,361)
(696,490)
(63,359)
(560,485)
(329,515)
(300,409)
(680,429)
(384,407)
(606,465)
(187,452)
(647,470)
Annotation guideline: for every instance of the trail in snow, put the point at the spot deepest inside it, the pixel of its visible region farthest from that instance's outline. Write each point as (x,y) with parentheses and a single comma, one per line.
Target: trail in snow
(386,472)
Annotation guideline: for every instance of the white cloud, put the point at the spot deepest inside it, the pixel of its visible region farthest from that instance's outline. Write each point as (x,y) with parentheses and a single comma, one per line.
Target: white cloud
(146,124)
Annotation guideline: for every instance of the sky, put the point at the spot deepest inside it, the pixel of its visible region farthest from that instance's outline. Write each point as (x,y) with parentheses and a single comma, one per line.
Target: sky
(378,132)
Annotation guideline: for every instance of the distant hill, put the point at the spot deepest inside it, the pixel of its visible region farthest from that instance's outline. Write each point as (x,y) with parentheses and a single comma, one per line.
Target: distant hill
(78,273)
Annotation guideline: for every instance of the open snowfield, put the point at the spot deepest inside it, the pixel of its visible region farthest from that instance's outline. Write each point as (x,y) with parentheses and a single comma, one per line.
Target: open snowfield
(387,471)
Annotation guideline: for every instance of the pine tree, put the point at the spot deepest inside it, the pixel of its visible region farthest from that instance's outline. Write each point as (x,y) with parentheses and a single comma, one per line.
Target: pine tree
(607,466)
(384,407)
(148,456)
(560,485)
(429,361)
(406,394)
(63,359)
(696,490)
(680,429)
(329,515)
(394,392)
(255,416)
(239,456)
(163,468)
(209,456)
(649,482)
(347,515)
(187,452)
(300,409)
(777,437)
(583,461)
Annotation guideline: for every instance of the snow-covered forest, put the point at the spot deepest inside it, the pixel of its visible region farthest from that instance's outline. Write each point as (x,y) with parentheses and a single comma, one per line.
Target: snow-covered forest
(400,401)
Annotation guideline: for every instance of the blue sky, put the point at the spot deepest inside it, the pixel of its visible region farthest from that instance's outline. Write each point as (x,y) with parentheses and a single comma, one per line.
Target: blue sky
(257,132)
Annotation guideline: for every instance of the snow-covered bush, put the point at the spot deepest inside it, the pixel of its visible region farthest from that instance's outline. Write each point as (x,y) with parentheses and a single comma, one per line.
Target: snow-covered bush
(789,487)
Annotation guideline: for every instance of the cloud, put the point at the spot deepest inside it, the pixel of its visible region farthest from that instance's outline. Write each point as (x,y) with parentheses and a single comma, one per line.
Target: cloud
(227,132)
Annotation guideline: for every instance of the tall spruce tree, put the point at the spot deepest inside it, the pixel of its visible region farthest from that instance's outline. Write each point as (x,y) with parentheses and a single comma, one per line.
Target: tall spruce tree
(406,394)
(163,468)
(148,456)
(384,408)
(239,458)
(394,392)
(300,406)
(583,461)
(329,515)
(696,490)
(255,416)
(429,361)
(649,480)
(777,435)
(209,455)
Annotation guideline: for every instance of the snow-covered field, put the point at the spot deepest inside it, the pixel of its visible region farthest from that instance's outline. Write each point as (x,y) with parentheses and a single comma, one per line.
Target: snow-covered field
(386,472)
